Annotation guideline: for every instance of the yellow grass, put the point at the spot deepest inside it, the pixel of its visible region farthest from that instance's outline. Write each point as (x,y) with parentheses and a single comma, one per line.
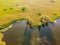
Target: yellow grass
(45,7)
(2,42)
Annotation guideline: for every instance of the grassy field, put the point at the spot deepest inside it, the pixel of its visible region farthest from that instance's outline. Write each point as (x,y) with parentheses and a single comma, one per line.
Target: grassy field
(32,10)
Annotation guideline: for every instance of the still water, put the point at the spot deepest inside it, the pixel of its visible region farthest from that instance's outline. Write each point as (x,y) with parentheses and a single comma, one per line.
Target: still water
(14,35)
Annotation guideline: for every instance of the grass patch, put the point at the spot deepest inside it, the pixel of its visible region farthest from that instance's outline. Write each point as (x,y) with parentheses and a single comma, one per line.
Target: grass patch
(23,9)
(55,14)
(39,14)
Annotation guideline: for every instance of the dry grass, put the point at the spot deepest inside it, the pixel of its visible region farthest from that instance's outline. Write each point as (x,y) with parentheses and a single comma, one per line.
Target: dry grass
(2,42)
(46,8)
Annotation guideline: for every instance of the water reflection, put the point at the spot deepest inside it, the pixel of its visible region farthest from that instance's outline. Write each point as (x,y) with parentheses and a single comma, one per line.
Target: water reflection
(46,36)
(14,36)
(27,35)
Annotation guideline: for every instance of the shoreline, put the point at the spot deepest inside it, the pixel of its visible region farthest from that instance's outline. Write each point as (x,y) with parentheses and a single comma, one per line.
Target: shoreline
(5,29)
(9,25)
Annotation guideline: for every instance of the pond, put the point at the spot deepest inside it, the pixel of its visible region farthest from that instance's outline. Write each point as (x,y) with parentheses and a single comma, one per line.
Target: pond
(14,35)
